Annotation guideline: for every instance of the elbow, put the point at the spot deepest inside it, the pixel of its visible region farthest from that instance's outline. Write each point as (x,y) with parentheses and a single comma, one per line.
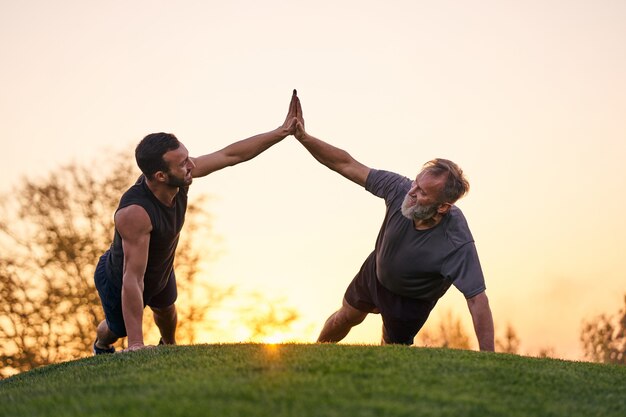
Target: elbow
(479,307)
(235,159)
(342,166)
(479,299)
(132,285)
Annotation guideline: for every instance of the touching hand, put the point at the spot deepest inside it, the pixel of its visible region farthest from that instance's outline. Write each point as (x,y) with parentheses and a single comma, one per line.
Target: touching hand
(299,132)
(289,126)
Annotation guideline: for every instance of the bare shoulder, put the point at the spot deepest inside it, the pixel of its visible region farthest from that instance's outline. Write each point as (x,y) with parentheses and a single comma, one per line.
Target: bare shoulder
(132,220)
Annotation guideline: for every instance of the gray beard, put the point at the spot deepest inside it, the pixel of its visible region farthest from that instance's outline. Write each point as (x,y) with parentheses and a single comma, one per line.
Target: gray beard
(418,212)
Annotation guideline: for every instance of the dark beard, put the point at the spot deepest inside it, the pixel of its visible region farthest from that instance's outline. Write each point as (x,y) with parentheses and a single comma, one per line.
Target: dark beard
(177,182)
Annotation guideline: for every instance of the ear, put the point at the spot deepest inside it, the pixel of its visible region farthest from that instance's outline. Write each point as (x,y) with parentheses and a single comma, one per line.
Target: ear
(444,208)
(160,176)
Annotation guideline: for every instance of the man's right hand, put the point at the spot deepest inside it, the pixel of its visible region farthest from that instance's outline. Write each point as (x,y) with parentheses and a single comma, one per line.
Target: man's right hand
(334,158)
(300,133)
(137,346)
(289,125)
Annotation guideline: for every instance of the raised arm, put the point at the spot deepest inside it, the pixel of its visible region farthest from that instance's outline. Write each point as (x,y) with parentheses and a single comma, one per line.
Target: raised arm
(246,149)
(134,226)
(334,158)
(483,321)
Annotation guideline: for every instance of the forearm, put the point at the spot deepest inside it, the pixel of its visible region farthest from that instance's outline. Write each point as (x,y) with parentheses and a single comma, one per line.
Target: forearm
(237,152)
(485,332)
(132,310)
(247,149)
(325,153)
(483,321)
(336,159)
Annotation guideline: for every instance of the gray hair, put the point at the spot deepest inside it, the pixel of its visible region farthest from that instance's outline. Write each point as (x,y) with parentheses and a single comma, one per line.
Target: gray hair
(456,185)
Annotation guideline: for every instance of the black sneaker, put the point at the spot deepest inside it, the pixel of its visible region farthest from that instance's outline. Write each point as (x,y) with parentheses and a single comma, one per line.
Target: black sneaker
(100,351)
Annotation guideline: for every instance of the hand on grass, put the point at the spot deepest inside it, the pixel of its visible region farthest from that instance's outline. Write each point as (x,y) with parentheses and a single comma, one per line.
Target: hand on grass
(137,346)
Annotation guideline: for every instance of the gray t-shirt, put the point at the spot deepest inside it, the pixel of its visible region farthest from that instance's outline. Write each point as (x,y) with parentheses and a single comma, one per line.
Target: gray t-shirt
(422,264)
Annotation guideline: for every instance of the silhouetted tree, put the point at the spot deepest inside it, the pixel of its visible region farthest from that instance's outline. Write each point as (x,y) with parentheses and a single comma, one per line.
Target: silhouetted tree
(510,342)
(448,333)
(604,338)
(52,232)
(266,317)
(546,352)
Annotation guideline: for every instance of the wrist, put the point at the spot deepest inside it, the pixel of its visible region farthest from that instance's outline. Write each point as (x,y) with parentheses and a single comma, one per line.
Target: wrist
(135,343)
(302,135)
(281,132)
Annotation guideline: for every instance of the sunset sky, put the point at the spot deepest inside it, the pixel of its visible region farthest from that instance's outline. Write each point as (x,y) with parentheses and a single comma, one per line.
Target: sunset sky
(529,98)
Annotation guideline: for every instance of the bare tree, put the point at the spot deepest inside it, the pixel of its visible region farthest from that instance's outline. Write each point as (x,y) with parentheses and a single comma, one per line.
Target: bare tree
(264,318)
(510,342)
(449,333)
(52,232)
(604,338)
(546,352)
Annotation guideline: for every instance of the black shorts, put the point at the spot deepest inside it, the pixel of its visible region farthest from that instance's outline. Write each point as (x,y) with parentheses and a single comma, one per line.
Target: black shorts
(111,298)
(402,316)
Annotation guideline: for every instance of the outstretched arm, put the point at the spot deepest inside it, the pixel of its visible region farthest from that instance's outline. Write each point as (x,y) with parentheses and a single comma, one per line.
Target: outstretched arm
(134,226)
(246,149)
(334,158)
(483,321)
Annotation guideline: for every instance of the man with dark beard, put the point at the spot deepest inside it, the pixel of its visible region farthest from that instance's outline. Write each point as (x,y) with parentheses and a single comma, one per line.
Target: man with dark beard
(138,269)
(423,247)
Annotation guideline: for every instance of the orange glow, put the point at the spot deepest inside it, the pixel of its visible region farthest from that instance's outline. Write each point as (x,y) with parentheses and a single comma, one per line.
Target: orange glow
(528,98)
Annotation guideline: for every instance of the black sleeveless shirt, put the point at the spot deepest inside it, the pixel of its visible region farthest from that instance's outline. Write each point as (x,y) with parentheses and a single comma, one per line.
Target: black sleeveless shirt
(166,225)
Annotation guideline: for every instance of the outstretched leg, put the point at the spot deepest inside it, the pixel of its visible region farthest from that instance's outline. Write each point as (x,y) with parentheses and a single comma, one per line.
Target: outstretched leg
(340,322)
(166,320)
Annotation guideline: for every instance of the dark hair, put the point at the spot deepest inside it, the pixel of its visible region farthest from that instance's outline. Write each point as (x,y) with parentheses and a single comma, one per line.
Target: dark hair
(149,152)
(456,185)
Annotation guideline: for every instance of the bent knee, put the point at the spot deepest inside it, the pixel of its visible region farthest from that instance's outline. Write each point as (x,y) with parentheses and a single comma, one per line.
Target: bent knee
(350,316)
(164,311)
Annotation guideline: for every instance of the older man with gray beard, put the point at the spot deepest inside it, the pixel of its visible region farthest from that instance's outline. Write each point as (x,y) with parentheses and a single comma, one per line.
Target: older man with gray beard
(424,246)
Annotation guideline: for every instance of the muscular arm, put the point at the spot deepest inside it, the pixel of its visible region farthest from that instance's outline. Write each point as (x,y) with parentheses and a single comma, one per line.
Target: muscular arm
(134,226)
(246,149)
(237,152)
(334,158)
(483,321)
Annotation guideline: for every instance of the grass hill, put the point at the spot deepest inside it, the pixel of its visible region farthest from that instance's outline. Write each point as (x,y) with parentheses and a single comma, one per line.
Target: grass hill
(315,380)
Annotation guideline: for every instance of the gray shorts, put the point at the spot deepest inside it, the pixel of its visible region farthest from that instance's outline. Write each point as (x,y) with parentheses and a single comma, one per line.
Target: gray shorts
(402,316)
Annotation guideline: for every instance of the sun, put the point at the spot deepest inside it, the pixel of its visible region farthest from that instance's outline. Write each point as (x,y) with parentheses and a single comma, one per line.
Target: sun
(275,338)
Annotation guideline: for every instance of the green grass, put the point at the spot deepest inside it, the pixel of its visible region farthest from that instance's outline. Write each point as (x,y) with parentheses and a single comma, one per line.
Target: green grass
(315,380)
